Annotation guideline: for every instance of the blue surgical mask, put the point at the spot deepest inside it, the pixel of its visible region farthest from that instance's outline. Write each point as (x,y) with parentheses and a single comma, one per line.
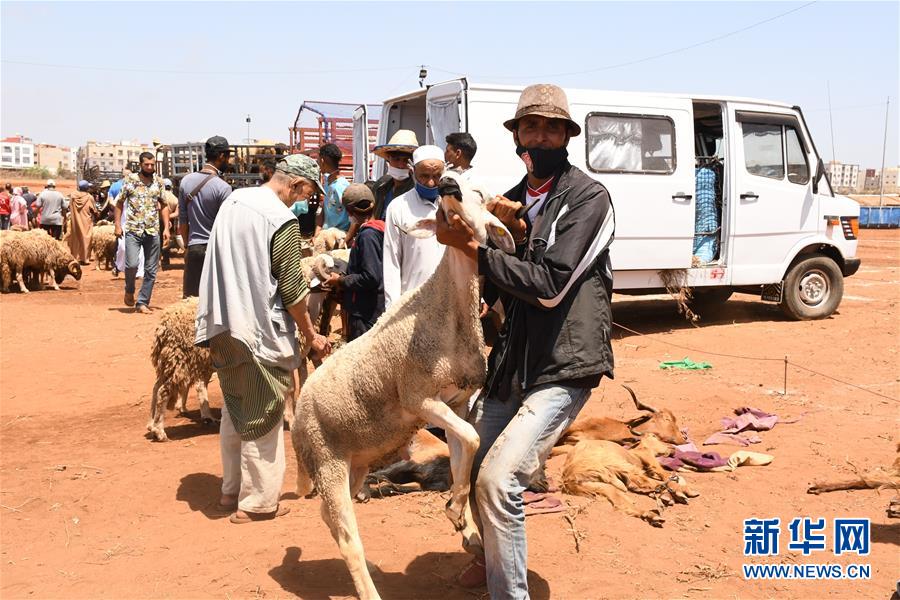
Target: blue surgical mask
(300,208)
(429,193)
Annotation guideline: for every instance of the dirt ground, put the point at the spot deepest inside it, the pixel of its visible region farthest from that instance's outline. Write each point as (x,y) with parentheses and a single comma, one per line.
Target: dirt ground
(93,509)
(66,186)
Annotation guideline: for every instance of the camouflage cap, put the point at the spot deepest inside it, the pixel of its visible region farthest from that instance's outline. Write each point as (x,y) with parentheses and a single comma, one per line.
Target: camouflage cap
(300,165)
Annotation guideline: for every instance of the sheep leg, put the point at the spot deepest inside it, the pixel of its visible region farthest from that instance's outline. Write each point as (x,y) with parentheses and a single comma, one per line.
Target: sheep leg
(21,281)
(157,411)
(181,402)
(203,396)
(157,427)
(53,278)
(620,501)
(337,512)
(463,443)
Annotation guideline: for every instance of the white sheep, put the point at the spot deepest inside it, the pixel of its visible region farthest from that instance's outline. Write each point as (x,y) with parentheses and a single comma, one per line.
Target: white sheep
(329,239)
(103,245)
(179,364)
(419,364)
(35,251)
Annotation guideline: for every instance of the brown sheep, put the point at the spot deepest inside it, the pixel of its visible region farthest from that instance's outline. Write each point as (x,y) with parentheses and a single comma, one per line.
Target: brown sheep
(600,468)
(179,364)
(661,423)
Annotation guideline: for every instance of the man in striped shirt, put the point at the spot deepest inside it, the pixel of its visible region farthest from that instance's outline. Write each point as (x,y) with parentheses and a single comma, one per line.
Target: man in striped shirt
(253,297)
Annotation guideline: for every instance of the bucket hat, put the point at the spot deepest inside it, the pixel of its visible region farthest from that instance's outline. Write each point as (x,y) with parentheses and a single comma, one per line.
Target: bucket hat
(545,100)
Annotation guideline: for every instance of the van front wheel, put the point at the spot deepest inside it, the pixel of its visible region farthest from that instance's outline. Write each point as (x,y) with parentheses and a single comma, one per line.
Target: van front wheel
(812,289)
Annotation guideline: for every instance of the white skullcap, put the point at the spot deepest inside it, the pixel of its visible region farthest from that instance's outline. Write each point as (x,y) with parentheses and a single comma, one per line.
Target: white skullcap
(427,153)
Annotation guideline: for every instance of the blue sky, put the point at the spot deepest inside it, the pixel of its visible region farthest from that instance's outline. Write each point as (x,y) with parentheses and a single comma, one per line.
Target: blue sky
(224,60)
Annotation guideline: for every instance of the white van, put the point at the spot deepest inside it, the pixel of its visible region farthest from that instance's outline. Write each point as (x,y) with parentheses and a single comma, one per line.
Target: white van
(719,194)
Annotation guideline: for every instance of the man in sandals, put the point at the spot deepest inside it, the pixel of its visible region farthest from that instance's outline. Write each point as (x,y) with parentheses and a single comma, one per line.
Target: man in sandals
(253,297)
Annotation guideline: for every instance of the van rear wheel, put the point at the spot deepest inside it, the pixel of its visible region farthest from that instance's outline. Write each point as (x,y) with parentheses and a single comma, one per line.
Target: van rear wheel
(812,289)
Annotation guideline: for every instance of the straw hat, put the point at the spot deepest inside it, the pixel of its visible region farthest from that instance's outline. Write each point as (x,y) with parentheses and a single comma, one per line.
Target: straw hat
(402,141)
(545,100)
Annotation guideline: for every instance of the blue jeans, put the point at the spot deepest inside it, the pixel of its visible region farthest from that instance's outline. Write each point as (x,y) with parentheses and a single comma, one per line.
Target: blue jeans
(133,244)
(516,438)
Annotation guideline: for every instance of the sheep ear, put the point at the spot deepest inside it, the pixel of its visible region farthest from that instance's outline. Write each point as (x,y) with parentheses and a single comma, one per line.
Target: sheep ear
(499,234)
(423,229)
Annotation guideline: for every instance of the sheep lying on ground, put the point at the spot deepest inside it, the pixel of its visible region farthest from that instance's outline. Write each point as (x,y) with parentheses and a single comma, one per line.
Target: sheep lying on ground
(103,246)
(329,239)
(662,423)
(602,468)
(179,364)
(38,252)
(420,363)
(423,465)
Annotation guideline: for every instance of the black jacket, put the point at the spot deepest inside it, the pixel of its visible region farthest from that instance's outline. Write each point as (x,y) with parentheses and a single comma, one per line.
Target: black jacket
(381,188)
(555,290)
(363,284)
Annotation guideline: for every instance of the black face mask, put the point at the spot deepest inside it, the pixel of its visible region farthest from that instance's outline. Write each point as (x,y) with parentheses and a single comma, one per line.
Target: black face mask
(544,162)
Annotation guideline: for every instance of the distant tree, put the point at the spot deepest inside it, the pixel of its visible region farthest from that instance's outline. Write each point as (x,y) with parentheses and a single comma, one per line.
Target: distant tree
(37,172)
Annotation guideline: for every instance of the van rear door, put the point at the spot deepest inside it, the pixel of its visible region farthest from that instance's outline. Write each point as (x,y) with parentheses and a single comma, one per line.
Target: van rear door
(445,111)
(774,207)
(360,144)
(644,155)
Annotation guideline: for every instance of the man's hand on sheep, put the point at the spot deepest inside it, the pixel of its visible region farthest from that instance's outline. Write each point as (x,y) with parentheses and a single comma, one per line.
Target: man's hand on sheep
(506,210)
(457,234)
(333,281)
(320,346)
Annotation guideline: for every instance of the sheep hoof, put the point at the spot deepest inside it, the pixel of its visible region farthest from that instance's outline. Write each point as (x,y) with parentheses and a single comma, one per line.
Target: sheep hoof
(472,543)
(456,515)
(654,518)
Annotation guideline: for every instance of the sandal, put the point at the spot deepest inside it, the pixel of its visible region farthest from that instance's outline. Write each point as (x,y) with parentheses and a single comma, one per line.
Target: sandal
(247,517)
(474,575)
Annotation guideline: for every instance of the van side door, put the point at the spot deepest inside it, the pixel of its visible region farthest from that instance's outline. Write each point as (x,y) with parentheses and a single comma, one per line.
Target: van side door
(445,111)
(774,208)
(361,144)
(644,155)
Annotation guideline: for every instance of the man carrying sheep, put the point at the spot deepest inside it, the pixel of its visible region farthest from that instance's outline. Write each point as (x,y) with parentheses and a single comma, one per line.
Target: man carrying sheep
(555,347)
(252,293)
(409,261)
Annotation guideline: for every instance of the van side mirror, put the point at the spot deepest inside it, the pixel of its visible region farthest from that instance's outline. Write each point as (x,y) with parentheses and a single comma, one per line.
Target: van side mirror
(820,172)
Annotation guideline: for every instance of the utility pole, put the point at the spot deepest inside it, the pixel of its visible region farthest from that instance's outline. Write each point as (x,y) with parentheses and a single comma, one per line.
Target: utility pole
(830,121)
(248,129)
(887,106)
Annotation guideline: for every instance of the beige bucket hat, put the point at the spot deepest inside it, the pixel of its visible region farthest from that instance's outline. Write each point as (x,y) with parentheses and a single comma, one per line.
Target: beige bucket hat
(545,100)
(402,141)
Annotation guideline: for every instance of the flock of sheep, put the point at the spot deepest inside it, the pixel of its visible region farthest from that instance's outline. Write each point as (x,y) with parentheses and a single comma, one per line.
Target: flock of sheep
(420,364)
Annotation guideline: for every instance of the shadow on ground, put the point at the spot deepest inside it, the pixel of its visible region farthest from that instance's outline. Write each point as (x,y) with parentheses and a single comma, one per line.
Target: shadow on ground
(431,575)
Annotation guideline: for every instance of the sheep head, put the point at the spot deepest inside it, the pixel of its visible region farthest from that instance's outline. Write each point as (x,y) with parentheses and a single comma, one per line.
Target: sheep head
(467,199)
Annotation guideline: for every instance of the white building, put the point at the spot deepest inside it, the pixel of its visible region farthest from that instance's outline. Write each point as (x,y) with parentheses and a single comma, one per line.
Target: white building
(844,178)
(16,152)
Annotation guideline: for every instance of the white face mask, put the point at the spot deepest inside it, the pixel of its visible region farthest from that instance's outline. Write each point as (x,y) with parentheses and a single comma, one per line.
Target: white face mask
(398,174)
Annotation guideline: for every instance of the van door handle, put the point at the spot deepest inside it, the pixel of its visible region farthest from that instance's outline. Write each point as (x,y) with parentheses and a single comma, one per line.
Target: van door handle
(749,196)
(682,196)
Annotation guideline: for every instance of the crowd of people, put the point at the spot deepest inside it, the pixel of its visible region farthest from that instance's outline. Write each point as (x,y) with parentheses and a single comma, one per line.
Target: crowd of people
(243,263)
